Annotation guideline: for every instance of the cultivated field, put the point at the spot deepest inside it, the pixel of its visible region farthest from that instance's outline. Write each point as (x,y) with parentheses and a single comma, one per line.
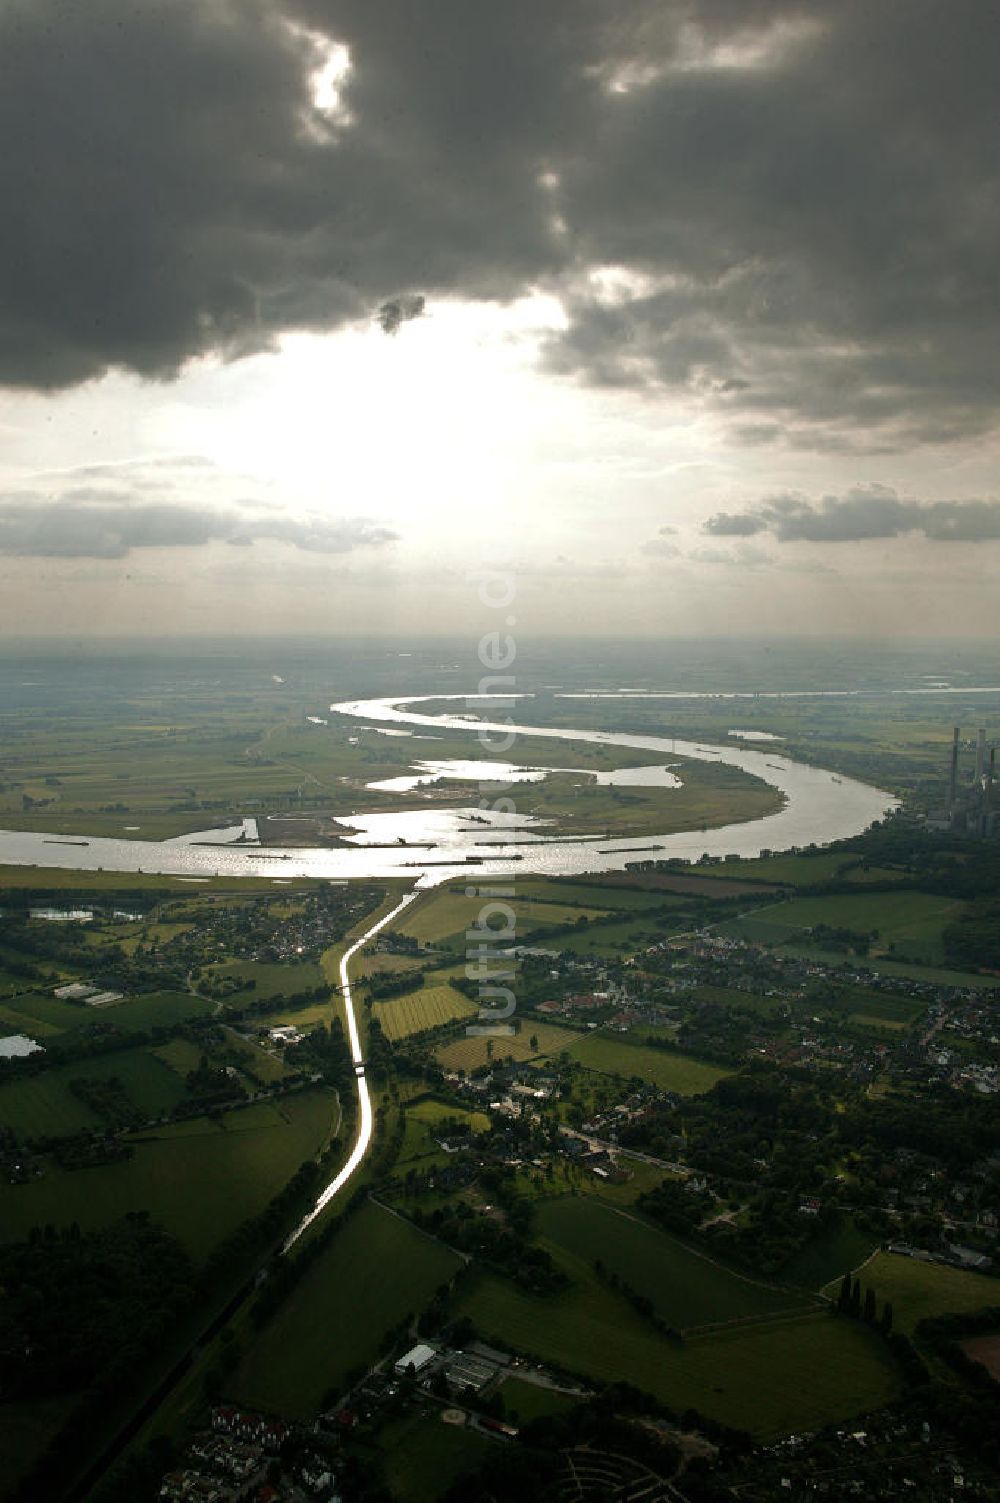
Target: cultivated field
(433,1005)
(469,1053)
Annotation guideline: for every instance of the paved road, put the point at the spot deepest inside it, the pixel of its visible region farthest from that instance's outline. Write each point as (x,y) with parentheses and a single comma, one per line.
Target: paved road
(364,1099)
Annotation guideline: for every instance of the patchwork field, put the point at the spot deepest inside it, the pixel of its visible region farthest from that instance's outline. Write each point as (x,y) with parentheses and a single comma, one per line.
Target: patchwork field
(429,1007)
(41,1015)
(318,1336)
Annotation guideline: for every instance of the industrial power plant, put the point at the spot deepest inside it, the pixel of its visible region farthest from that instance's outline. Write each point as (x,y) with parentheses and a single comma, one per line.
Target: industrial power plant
(971,805)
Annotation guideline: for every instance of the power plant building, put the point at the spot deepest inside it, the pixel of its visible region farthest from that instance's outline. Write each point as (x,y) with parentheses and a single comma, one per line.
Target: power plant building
(972,805)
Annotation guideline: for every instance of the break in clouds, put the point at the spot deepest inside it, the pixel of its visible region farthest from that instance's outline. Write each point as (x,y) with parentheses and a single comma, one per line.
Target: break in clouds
(785,210)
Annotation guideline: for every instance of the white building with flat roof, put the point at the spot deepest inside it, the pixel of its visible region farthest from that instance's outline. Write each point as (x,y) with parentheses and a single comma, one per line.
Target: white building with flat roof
(416,1358)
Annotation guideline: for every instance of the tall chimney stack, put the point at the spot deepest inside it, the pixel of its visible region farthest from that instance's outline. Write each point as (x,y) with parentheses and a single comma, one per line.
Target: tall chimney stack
(953,780)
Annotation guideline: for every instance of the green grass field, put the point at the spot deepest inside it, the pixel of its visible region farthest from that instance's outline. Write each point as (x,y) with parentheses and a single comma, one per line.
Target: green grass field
(429,1007)
(686,1288)
(673,1072)
(910,921)
(471,1052)
(201,1180)
(583,895)
(447,913)
(377,1269)
(794,1374)
(637,932)
(424,1120)
(422,1456)
(918,1290)
(44,1106)
(270,980)
(527,1401)
(789,870)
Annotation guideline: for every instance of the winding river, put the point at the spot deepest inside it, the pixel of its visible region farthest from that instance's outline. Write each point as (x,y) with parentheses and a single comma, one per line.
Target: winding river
(429,846)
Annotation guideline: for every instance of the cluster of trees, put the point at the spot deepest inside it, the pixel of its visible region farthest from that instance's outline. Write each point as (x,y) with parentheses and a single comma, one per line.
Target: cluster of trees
(380,988)
(973,939)
(500,1245)
(641,1303)
(81,1309)
(107,1097)
(850,1302)
(944,1335)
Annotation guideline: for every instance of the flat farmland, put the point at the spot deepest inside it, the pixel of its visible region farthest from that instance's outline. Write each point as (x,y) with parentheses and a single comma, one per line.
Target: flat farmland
(911,921)
(625,937)
(470,1052)
(200,1178)
(317,1336)
(661,1067)
(568,893)
(686,1288)
(797,870)
(798,1373)
(447,914)
(264,980)
(152,1010)
(429,1007)
(44,1105)
(919,1290)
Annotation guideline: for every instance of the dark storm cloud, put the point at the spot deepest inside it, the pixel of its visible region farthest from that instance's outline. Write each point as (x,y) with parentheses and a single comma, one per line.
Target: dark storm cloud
(86,523)
(865,513)
(804,193)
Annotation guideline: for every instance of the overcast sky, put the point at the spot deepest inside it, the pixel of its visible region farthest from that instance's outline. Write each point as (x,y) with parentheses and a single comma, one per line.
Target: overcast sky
(687,312)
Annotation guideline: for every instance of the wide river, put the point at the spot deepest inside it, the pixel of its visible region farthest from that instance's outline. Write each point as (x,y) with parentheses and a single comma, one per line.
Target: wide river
(439,844)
